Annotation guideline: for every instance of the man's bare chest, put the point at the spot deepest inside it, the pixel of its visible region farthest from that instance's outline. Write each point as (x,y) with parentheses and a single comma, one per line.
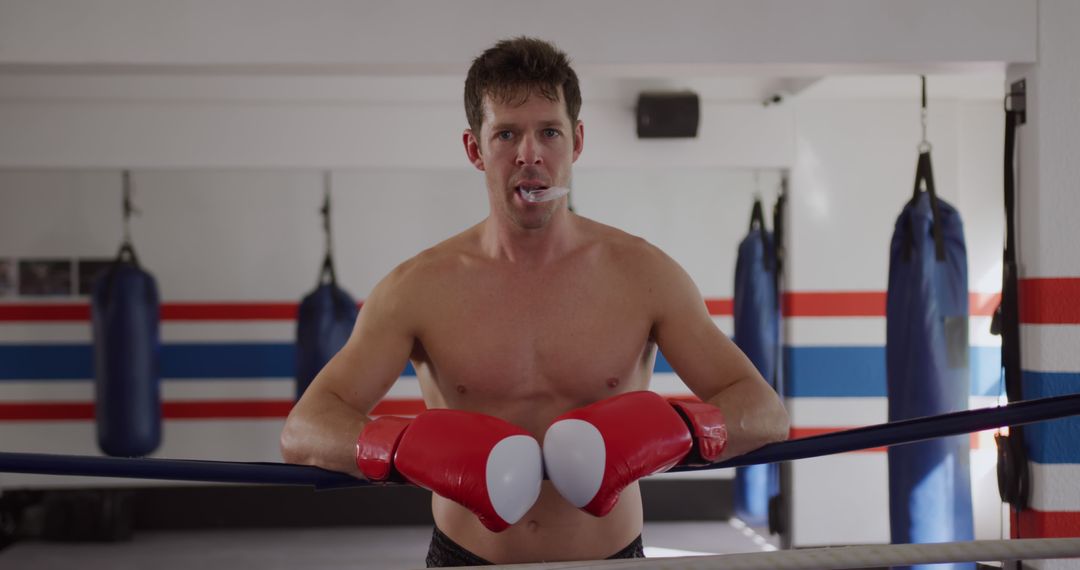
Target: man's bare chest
(567,338)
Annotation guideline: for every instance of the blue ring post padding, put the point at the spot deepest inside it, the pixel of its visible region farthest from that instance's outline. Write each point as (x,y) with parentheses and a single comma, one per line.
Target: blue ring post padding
(894,433)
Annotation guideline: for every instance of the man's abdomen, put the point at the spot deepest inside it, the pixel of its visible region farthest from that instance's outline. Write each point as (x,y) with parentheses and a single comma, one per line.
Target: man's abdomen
(552,530)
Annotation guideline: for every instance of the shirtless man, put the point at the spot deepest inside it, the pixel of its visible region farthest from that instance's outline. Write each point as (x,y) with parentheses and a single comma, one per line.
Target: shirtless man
(530,314)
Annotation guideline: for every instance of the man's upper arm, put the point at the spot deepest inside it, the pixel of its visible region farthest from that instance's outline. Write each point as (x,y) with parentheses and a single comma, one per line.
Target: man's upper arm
(711,365)
(378,349)
(699,352)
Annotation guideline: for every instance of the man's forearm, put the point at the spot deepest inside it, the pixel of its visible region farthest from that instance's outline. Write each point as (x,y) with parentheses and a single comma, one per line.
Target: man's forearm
(322,431)
(754,416)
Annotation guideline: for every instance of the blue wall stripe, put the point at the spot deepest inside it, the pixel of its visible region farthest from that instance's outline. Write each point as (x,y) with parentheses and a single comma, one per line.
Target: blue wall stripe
(835,371)
(46,362)
(1056,441)
(227,360)
(859,371)
(812,371)
(662,365)
(986,378)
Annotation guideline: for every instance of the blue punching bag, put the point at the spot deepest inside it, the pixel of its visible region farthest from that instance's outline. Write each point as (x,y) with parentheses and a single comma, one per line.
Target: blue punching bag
(927,368)
(757,323)
(324,323)
(125,313)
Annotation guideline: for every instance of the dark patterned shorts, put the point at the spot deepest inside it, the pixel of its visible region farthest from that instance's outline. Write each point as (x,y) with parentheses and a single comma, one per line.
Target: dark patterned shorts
(444,552)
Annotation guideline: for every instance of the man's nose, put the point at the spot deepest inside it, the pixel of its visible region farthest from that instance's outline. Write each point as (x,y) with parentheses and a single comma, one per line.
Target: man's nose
(529,152)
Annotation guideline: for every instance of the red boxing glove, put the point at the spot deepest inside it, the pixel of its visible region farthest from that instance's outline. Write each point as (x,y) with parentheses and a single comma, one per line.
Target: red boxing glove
(591,454)
(489,466)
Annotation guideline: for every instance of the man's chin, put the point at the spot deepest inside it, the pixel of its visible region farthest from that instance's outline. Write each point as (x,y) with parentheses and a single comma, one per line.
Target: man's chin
(532,220)
(532,223)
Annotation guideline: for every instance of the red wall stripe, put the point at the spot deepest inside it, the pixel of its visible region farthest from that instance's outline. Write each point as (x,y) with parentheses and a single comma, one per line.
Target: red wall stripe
(835,304)
(796,304)
(798,433)
(720,307)
(204,410)
(1050,300)
(208,409)
(1046,524)
(52,411)
(866,304)
(189,410)
(801,432)
(38,312)
(229,311)
(983,304)
(43,312)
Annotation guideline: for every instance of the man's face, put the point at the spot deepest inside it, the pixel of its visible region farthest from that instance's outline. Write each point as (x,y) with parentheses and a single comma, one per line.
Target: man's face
(528,145)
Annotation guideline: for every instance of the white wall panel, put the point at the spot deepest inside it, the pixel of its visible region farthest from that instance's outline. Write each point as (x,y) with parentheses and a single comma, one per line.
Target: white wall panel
(841,499)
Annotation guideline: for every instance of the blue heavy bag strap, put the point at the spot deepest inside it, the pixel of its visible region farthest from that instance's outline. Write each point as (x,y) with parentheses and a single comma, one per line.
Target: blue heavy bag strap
(927,368)
(756,334)
(324,323)
(1014,476)
(125,313)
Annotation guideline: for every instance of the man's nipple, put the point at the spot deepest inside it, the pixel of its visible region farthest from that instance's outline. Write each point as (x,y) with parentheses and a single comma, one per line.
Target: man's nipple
(460,388)
(612,383)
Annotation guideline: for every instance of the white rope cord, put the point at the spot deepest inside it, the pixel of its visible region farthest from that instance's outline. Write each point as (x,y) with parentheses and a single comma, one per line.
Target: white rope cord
(874,555)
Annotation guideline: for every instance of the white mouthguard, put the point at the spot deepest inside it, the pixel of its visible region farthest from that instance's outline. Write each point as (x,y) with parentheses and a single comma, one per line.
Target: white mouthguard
(544,195)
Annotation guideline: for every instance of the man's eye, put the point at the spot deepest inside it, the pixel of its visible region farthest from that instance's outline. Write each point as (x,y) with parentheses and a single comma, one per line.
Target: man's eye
(551,133)
(505,135)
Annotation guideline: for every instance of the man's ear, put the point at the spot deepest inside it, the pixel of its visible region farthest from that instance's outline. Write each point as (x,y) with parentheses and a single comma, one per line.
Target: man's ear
(579,139)
(472,149)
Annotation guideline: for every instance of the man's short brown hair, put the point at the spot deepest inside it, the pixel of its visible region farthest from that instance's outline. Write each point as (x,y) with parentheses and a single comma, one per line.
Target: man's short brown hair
(512,70)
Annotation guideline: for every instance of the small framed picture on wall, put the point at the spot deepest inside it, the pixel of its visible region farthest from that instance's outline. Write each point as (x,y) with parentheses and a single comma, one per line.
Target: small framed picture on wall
(45,277)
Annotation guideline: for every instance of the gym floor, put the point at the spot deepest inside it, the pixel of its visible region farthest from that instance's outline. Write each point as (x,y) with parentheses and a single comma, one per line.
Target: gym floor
(355,548)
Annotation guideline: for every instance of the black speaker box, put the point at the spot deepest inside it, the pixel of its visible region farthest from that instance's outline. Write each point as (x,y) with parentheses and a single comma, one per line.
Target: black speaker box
(668,115)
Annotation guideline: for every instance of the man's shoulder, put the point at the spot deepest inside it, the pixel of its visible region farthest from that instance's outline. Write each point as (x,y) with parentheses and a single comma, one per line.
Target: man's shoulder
(411,288)
(622,246)
(439,260)
(645,270)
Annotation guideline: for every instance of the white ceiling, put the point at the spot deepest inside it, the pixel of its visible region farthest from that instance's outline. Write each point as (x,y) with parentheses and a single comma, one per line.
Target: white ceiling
(416,51)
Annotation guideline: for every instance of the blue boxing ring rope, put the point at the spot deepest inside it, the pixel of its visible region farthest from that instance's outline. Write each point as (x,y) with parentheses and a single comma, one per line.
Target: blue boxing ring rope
(880,435)
(907,431)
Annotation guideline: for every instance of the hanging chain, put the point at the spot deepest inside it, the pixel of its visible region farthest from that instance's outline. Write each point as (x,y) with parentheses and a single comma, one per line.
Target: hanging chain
(128,208)
(326,210)
(924,141)
(924,144)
